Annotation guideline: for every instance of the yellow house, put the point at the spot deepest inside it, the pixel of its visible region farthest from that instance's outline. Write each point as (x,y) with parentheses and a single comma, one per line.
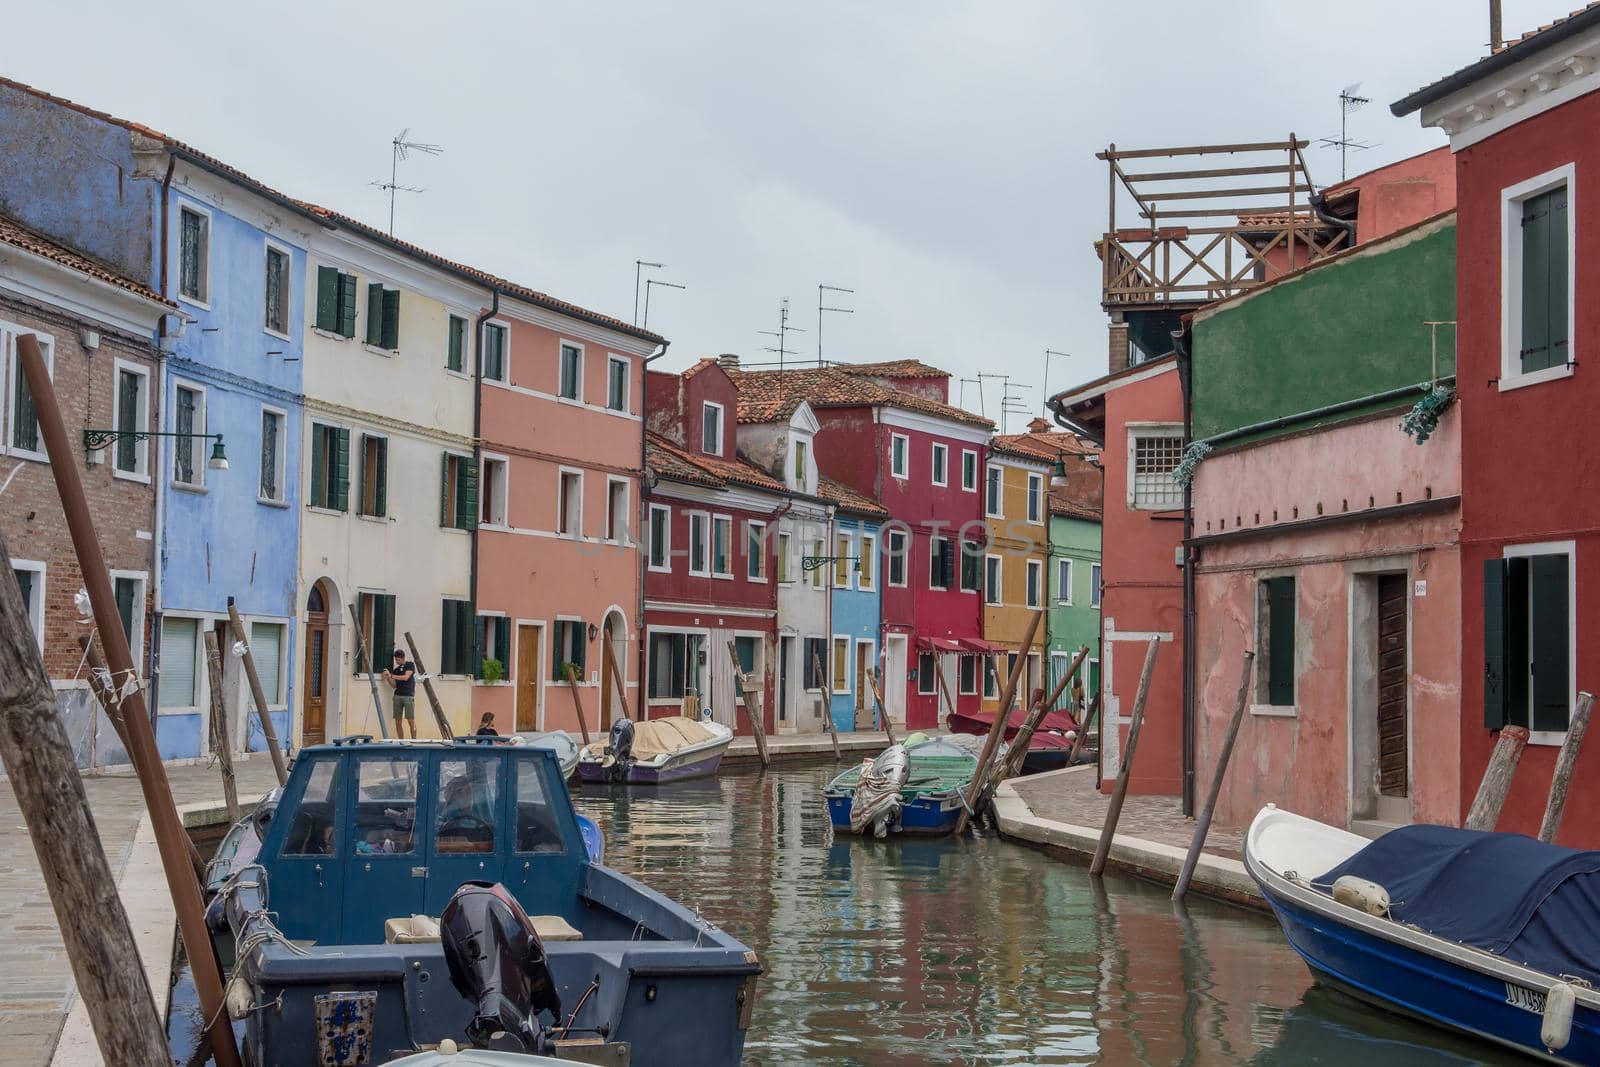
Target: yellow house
(1016,484)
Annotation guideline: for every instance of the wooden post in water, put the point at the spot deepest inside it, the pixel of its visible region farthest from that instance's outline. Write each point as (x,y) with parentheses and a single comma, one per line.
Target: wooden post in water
(827,705)
(976,788)
(944,690)
(1089,716)
(1562,779)
(883,712)
(372,679)
(749,713)
(220,739)
(1485,810)
(56,793)
(1202,825)
(1120,793)
(83,891)
(258,695)
(427,687)
(1019,747)
(577,701)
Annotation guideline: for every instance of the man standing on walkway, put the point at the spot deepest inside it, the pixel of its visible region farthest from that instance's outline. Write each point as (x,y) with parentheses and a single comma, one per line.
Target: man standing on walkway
(403,676)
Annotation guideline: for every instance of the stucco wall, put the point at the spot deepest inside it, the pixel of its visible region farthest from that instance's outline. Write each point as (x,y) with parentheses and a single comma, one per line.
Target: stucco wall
(1075,624)
(855,615)
(1015,541)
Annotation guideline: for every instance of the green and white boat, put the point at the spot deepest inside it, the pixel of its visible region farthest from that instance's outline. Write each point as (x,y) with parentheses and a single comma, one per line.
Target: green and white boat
(915,787)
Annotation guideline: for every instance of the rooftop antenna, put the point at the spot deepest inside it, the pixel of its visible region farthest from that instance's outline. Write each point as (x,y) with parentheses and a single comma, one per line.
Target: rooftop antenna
(638,266)
(1350,101)
(1045,397)
(401,149)
(782,333)
(971,381)
(1012,403)
(1005,382)
(821,309)
(648,284)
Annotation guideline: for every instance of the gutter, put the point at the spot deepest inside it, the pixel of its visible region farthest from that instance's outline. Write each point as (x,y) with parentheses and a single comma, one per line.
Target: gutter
(477,462)
(1191,556)
(1496,62)
(152,646)
(1319,207)
(642,705)
(1398,393)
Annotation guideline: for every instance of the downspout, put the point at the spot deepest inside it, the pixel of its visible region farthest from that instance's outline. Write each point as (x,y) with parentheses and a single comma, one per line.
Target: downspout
(152,647)
(1191,556)
(1319,207)
(640,711)
(477,463)
(773,520)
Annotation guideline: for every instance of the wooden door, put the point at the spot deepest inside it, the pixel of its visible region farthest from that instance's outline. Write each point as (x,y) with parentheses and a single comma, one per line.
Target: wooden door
(863,665)
(785,654)
(314,718)
(529,671)
(1392,725)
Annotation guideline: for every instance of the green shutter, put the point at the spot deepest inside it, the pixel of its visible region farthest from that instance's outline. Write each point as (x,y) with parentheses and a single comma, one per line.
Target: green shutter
(453,360)
(467,495)
(391,320)
(1535,284)
(347,304)
(1495,628)
(339,487)
(382,631)
(319,467)
(374,313)
(1548,639)
(1557,290)
(127,420)
(444,490)
(328,298)
(125,588)
(1280,641)
(381,494)
(447,637)
(502,644)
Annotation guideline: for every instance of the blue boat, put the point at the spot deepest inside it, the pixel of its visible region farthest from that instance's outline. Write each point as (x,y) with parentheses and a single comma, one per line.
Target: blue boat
(915,787)
(368,845)
(1489,934)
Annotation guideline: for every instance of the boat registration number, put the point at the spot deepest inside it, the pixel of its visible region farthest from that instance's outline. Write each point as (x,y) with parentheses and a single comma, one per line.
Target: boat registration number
(1526,999)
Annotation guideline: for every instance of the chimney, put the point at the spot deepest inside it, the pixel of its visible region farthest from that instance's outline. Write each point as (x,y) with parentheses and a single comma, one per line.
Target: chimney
(1117,354)
(1039,425)
(729,360)
(1496,38)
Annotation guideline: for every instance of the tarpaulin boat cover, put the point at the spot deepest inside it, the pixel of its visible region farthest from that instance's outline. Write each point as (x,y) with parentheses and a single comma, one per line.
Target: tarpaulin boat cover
(1514,896)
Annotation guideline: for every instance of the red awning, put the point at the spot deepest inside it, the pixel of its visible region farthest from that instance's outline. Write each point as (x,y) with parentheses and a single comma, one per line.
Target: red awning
(982,647)
(939,644)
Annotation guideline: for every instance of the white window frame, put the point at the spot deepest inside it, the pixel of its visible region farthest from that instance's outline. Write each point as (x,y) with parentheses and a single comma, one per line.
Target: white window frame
(969,458)
(994,470)
(867,580)
(1035,498)
(1136,430)
(1096,576)
(934,543)
(706,407)
(843,542)
(1064,581)
(612,360)
(977,674)
(40,571)
(504,496)
(359,510)
(1034,569)
(934,691)
(564,344)
(904,440)
(756,529)
(665,567)
(704,519)
(269,245)
(576,533)
(994,595)
(282,703)
(1261,622)
(201,683)
(1511,201)
(785,574)
(450,319)
(141,449)
(1570,550)
(203,298)
(198,442)
(280,476)
(9,332)
(712,546)
(939,456)
(611,535)
(904,555)
(137,639)
(505,351)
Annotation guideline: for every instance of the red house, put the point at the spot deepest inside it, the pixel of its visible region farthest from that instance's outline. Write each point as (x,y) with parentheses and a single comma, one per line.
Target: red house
(1522,126)
(888,431)
(710,565)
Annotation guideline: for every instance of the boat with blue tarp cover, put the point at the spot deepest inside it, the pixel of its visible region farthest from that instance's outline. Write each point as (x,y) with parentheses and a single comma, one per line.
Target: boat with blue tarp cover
(1490,934)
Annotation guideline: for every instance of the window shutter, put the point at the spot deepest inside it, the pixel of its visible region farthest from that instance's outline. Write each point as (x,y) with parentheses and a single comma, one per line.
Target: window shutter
(347,304)
(127,421)
(319,467)
(1280,637)
(381,490)
(1556,291)
(374,333)
(453,358)
(467,496)
(328,298)
(447,638)
(1549,630)
(444,490)
(391,319)
(339,490)
(1495,602)
(1535,283)
(382,631)
(125,588)
(502,644)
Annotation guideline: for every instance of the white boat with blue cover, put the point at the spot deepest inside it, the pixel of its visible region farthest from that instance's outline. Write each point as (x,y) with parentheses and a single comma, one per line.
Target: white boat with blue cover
(1490,934)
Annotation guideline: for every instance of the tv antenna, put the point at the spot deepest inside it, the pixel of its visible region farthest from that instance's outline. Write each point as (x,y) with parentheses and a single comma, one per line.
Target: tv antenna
(971,381)
(650,283)
(821,309)
(1012,403)
(401,149)
(638,266)
(1045,397)
(1350,101)
(782,334)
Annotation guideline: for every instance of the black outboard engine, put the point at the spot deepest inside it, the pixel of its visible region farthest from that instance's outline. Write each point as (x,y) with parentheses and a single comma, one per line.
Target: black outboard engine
(497,962)
(621,746)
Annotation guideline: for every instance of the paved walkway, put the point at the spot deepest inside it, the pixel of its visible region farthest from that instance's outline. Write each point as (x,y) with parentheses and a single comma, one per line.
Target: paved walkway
(36,989)
(1073,798)
(853,745)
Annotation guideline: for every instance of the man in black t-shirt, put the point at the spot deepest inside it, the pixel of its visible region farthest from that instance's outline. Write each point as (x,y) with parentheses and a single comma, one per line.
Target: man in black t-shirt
(403,676)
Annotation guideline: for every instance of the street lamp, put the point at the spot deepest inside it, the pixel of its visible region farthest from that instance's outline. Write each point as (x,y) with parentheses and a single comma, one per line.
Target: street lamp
(95,440)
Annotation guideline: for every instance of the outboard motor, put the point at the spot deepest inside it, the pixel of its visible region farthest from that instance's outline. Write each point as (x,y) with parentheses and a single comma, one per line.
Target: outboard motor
(621,749)
(498,963)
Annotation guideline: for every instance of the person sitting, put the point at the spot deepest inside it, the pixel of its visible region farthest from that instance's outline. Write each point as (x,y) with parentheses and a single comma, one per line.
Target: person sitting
(486,726)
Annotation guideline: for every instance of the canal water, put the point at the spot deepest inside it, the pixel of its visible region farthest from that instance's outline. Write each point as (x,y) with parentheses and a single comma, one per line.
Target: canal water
(978,951)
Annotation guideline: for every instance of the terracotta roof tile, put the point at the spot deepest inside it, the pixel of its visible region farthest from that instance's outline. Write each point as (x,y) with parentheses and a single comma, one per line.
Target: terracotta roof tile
(678,464)
(19,236)
(896,368)
(1064,502)
(849,500)
(773,395)
(1048,445)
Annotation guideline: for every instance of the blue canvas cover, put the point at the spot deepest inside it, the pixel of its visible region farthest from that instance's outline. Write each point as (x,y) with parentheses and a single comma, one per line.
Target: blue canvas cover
(1526,901)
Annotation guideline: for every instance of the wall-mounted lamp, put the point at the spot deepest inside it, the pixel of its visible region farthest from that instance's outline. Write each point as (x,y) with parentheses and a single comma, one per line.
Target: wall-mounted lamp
(95,440)
(594,631)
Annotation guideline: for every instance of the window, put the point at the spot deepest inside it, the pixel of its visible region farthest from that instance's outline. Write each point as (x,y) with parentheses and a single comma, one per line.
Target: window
(1035,580)
(30,583)
(722,546)
(991,680)
(969,470)
(1275,625)
(674,665)
(386,805)
(188,453)
(897,557)
(816,653)
(23,432)
(927,664)
(699,549)
(467,802)
(458,492)
(178,658)
(801,466)
(745,649)
(711,428)
(569,504)
(130,414)
(376,611)
(493,482)
(1094,585)
(1154,456)
(567,649)
(616,510)
(1537,297)
(1528,637)
(276,295)
(992,593)
(1064,581)
(968,680)
(841,561)
(1035,498)
(194,252)
(994,499)
(571,386)
(866,566)
(273,452)
(941,563)
(128,591)
(941,459)
(374,475)
(455,640)
(660,538)
(336,301)
(266,648)
(784,574)
(330,467)
(755,551)
(383,317)
(455,351)
(616,383)
(494,352)
(841,665)
(818,551)
(316,818)
(538,828)
(971,566)
(900,455)
(494,644)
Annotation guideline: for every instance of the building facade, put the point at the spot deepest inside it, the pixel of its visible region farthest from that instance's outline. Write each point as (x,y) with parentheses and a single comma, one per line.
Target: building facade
(1015,561)
(854,629)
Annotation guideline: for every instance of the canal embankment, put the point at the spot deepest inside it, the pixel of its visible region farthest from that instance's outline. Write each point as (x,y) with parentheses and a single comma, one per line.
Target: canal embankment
(784,747)
(1061,812)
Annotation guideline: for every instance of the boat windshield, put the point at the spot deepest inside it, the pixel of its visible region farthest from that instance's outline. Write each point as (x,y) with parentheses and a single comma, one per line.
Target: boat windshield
(467,794)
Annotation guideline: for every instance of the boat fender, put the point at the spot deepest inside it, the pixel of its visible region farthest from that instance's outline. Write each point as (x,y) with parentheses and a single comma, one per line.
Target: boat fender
(1362,895)
(237,997)
(1558,1006)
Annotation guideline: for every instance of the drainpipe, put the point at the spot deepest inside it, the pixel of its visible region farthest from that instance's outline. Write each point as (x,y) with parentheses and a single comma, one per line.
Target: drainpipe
(1190,557)
(1319,207)
(641,708)
(477,462)
(158,534)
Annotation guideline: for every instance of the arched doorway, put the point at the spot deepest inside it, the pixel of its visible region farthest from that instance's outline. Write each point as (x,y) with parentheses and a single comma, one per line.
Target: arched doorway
(613,668)
(314,717)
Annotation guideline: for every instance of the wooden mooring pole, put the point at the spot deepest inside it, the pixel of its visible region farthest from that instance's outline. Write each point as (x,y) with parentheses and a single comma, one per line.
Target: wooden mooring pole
(1089,716)
(883,712)
(1119,794)
(1019,747)
(577,700)
(439,718)
(257,694)
(62,809)
(372,679)
(617,680)
(1485,810)
(978,785)
(827,705)
(1202,825)
(221,742)
(753,714)
(1562,779)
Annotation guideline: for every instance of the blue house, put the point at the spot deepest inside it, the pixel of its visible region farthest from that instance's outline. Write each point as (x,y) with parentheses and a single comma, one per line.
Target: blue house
(230,252)
(854,606)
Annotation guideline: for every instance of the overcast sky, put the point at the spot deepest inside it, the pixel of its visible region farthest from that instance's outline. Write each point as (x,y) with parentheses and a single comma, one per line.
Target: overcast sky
(938,158)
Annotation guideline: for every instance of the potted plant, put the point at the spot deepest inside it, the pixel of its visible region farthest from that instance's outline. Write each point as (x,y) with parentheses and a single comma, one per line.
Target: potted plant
(492,670)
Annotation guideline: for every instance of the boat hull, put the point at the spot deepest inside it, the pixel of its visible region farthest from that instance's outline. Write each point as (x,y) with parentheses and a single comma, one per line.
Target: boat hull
(928,816)
(677,769)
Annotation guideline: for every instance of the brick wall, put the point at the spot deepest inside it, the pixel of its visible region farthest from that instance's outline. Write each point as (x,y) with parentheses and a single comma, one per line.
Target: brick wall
(1117,348)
